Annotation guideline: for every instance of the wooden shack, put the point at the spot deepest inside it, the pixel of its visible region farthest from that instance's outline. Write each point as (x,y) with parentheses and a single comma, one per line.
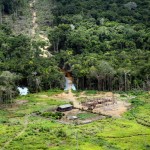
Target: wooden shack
(66,107)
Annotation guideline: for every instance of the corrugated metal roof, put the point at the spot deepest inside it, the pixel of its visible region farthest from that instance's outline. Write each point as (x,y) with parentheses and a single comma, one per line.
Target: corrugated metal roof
(65,106)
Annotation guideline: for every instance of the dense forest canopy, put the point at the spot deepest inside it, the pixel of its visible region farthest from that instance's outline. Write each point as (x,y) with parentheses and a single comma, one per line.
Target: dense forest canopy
(93,31)
(104,44)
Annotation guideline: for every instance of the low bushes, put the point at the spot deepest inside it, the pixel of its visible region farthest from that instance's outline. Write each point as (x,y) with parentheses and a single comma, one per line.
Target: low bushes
(52,115)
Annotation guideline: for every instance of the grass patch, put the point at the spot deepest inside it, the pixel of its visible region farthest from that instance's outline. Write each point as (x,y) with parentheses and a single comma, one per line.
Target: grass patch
(84,116)
(89,92)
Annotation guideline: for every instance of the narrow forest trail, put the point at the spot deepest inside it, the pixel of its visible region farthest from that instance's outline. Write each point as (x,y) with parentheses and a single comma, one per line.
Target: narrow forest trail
(73,99)
(35,26)
(25,125)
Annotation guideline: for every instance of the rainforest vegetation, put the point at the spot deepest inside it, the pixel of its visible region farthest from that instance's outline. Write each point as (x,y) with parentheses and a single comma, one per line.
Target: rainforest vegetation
(104,44)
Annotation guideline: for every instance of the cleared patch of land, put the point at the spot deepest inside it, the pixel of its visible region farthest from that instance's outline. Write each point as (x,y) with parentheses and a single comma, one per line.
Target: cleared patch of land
(105,103)
(22,129)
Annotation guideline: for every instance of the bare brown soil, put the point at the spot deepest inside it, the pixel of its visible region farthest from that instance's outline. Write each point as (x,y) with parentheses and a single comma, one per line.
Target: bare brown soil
(115,109)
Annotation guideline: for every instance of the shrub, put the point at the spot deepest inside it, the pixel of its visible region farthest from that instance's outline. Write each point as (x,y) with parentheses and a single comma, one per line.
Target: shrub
(61,133)
(53,115)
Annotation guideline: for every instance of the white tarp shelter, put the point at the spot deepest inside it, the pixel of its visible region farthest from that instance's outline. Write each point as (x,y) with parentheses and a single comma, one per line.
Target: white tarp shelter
(23,90)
